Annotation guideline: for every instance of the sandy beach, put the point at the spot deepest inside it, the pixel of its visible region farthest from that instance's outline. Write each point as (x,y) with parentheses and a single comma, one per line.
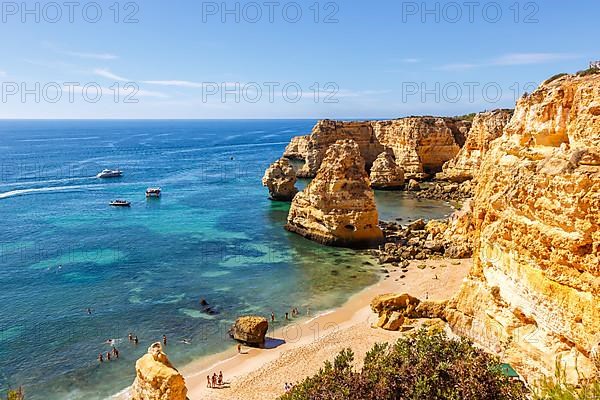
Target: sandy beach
(261,373)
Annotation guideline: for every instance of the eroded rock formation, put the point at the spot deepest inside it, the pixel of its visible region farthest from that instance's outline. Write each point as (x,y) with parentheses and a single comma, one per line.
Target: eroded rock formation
(280,178)
(396,310)
(486,127)
(156,378)
(250,330)
(385,173)
(534,291)
(338,207)
(297,148)
(420,145)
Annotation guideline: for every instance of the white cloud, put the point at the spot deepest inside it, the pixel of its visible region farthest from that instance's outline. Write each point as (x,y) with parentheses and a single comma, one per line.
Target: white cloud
(185,84)
(95,56)
(512,59)
(531,58)
(458,67)
(105,73)
(79,54)
(411,60)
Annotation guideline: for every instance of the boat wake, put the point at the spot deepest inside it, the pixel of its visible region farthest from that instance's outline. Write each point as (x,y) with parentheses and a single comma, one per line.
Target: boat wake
(24,192)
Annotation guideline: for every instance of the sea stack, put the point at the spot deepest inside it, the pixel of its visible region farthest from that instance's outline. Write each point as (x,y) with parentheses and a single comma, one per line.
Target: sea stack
(156,378)
(280,178)
(385,173)
(534,291)
(338,207)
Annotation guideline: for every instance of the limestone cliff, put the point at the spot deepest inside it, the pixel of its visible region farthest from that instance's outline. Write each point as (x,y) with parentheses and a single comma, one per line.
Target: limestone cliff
(297,148)
(486,127)
(156,378)
(420,145)
(385,173)
(280,179)
(338,207)
(534,291)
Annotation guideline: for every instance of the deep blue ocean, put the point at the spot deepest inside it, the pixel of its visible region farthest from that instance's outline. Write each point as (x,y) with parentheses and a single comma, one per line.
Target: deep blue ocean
(214,234)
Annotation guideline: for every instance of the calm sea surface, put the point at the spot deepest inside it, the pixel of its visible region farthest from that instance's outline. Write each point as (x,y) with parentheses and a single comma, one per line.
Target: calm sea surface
(212,235)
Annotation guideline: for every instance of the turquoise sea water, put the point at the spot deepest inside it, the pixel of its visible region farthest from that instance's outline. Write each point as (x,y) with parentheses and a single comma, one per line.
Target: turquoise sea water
(213,235)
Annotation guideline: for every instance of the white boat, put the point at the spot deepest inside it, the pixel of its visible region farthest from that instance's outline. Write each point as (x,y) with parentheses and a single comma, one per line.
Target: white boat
(110,173)
(120,203)
(153,192)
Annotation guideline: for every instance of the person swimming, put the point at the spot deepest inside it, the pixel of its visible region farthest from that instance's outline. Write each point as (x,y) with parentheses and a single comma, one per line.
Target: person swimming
(100,358)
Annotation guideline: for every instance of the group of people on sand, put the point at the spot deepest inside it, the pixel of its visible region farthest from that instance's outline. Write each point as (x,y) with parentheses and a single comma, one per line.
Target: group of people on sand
(288,387)
(216,382)
(114,352)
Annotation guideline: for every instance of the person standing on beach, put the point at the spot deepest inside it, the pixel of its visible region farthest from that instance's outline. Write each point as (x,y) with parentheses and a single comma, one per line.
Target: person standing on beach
(286,317)
(220,378)
(214,380)
(208,385)
(239,349)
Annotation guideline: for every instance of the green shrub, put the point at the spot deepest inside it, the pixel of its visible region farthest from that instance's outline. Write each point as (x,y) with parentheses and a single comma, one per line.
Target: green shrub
(589,71)
(427,366)
(557,388)
(555,77)
(17,394)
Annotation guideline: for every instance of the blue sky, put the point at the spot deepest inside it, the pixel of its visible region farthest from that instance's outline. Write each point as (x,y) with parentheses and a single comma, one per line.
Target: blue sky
(364,59)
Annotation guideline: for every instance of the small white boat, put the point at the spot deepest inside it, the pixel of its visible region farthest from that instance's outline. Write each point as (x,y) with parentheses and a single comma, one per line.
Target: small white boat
(110,173)
(120,203)
(153,192)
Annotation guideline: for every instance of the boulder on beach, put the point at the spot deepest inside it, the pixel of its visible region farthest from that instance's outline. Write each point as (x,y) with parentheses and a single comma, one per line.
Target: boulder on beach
(156,378)
(250,330)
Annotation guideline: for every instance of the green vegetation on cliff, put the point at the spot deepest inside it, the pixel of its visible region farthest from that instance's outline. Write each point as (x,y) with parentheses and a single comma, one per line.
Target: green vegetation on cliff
(426,366)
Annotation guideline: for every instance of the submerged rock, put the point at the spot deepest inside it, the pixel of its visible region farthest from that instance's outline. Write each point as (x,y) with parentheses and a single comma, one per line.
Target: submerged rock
(250,330)
(385,173)
(280,178)
(156,378)
(338,207)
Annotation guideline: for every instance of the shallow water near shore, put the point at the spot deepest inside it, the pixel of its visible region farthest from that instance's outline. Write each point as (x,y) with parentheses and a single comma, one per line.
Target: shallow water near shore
(212,235)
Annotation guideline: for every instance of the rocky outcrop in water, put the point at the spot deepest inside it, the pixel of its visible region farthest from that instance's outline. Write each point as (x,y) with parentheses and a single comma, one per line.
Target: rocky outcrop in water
(280,178)
(156,378)
(385,173)
(297,148)
(250,330)
(534,291)
(420,145)
(338,207)
(487,126)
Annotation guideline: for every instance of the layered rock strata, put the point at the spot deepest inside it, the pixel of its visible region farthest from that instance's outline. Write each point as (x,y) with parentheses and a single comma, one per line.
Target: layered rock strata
(156,378)
(280,179)
(420,145)
(487,127)
(534,292)
(338,207)
(385,173)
